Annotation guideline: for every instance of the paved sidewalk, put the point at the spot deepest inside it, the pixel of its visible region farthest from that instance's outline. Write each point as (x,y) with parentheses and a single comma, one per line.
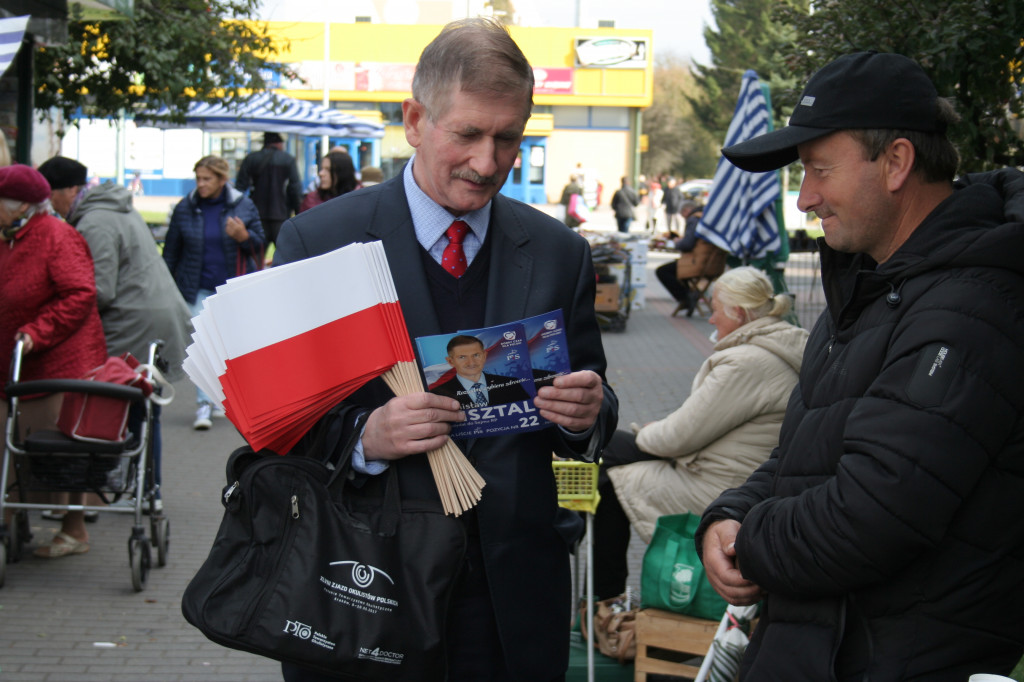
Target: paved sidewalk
(78,619)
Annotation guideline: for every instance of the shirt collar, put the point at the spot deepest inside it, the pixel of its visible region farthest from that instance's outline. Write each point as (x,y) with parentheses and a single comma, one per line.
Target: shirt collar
(431,220)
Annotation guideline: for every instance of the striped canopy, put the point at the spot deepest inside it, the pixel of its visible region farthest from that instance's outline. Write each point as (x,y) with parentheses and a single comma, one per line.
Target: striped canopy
(259,114)
(11,32)
(740,215)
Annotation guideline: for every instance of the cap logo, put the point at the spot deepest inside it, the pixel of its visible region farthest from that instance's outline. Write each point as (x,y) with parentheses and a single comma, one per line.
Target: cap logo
(807,101)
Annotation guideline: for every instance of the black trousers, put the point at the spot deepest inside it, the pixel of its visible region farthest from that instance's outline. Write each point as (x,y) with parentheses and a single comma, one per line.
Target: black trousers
(611,525)
(666,274)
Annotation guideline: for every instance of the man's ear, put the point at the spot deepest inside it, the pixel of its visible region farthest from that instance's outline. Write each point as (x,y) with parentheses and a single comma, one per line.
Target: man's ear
(413,117)
(899,160)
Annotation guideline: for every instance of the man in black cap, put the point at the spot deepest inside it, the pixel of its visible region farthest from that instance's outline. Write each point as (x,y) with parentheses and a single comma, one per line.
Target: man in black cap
(272,175)
(885,533)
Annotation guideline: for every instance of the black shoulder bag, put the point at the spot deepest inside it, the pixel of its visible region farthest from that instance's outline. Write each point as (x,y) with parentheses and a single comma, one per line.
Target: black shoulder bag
(311,570)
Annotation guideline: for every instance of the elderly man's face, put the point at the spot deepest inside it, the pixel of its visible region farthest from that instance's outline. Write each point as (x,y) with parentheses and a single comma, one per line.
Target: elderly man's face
(62,199)
(463,158)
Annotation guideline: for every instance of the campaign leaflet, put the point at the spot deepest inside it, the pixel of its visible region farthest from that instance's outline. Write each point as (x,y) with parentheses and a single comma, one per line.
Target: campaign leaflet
(495,372)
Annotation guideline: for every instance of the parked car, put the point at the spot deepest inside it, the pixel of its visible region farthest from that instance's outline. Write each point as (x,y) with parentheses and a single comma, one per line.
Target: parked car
(697,190)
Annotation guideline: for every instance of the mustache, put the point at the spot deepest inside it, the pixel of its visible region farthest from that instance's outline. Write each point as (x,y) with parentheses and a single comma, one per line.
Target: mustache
(475,177)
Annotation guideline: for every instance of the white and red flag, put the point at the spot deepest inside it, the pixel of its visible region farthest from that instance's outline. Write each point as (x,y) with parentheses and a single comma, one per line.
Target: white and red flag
(278,348)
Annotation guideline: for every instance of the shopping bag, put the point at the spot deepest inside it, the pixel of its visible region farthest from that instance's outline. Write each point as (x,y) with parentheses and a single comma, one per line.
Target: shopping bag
(310,570)
(614,628)
(672,576)
(101,419)
(578,208)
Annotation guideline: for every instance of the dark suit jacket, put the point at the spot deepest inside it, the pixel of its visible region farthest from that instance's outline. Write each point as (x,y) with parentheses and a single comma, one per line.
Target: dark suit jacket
(537,264)
(499,390)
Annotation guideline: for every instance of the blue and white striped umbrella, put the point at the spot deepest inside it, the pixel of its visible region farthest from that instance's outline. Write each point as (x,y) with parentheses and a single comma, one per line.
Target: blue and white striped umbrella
(259,114)
(740,214)
(11,32)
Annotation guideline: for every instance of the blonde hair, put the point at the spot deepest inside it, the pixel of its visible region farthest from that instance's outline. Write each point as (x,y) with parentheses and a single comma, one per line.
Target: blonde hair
(214,164)
(750,289)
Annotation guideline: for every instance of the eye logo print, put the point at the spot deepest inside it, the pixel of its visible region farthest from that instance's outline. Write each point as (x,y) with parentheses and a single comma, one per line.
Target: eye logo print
(363,574)
(509,335)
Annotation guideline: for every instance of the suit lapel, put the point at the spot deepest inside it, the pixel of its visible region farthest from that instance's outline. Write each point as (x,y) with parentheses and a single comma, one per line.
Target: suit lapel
(511,270)
(392,224)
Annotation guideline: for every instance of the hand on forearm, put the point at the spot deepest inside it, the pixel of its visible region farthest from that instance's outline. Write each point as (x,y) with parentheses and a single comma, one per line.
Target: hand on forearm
(408,425)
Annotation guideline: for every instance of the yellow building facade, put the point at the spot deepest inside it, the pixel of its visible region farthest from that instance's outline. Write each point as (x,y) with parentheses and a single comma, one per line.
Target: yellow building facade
(591,87)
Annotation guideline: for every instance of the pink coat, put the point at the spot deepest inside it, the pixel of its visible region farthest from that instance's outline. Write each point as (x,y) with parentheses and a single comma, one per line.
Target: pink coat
(48,290)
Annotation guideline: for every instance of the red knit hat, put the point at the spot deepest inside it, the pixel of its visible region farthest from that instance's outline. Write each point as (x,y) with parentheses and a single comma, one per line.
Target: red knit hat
(23,183)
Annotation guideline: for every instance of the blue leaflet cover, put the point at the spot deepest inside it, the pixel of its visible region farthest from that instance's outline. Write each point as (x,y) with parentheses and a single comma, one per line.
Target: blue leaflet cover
(495,372)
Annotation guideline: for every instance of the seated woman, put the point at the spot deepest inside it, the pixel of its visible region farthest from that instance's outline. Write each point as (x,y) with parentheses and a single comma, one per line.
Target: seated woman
(716,438)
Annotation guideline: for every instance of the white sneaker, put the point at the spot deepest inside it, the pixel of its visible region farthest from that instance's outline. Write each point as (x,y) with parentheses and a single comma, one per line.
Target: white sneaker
(218,413)
(202,422)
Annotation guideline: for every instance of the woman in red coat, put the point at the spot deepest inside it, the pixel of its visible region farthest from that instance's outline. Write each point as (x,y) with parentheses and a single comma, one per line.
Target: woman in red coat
(48,299)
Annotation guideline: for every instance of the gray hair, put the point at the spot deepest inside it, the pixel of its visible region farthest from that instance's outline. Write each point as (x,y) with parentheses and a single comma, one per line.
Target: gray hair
(479,56)
(748,288)
(12,205)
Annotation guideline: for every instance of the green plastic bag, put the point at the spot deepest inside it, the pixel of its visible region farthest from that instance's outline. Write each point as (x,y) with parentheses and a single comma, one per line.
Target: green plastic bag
(672,577)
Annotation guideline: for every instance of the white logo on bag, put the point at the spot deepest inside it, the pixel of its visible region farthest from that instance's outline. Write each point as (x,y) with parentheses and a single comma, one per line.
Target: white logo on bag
(381,656)
(300,630)
(682,577)
(363,574)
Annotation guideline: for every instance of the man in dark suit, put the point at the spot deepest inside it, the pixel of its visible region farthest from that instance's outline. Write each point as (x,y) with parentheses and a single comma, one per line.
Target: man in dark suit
(472,97)
(473,387)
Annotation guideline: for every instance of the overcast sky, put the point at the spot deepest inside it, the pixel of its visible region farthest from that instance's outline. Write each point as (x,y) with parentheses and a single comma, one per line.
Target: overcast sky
(678,24)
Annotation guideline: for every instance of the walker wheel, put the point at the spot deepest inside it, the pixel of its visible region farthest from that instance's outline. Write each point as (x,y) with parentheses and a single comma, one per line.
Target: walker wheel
(139,560)
(161,539)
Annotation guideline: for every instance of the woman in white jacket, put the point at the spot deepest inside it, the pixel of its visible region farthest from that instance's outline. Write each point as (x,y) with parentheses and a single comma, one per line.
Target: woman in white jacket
(716,438)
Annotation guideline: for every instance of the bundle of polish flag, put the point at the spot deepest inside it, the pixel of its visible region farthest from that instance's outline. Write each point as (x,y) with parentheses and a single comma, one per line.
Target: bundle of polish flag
(276,349)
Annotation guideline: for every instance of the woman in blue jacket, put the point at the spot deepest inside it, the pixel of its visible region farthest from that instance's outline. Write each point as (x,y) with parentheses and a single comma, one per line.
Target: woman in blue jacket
(214,234)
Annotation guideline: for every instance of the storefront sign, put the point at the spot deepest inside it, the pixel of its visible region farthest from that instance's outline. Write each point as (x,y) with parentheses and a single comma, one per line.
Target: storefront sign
(554,81)
(611,53)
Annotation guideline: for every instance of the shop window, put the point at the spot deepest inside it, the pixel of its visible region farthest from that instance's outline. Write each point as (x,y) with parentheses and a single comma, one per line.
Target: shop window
(609,117)
(571,117)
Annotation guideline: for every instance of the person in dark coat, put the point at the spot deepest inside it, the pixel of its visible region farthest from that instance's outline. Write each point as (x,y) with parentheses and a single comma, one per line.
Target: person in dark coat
(508,615)
(623,202)
(270,177)
(884,533)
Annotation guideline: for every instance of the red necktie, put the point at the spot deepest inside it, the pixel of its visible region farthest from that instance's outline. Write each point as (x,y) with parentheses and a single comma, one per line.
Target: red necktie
(454,259)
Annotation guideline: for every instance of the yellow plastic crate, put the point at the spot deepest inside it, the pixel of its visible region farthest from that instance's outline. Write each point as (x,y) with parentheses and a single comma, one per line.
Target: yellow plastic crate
(577,485)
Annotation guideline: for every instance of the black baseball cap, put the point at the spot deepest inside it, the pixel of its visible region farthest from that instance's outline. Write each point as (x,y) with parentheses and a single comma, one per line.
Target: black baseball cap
(864,90)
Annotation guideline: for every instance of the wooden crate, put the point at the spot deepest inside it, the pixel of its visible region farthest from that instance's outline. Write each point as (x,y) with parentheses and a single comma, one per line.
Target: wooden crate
(661,633)
(607,299)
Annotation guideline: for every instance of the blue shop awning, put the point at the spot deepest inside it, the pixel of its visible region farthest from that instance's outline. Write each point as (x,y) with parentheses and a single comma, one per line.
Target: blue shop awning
(260,114)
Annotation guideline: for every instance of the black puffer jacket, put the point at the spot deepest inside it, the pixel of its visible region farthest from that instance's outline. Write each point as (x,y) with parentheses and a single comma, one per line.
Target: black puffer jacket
(888,526)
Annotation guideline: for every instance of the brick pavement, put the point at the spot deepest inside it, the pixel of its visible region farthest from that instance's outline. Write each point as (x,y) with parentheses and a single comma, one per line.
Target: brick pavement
(53,613)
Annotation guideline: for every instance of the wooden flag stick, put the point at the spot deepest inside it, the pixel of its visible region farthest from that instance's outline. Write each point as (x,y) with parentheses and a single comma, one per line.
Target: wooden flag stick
(458,483)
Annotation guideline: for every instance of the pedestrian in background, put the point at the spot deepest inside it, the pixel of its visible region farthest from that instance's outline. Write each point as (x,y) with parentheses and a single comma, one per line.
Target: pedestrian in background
(337,176)
(624,201)
(48,299)
(672,200)
(135,293)
(214,233)
(573,187)
(270,177)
